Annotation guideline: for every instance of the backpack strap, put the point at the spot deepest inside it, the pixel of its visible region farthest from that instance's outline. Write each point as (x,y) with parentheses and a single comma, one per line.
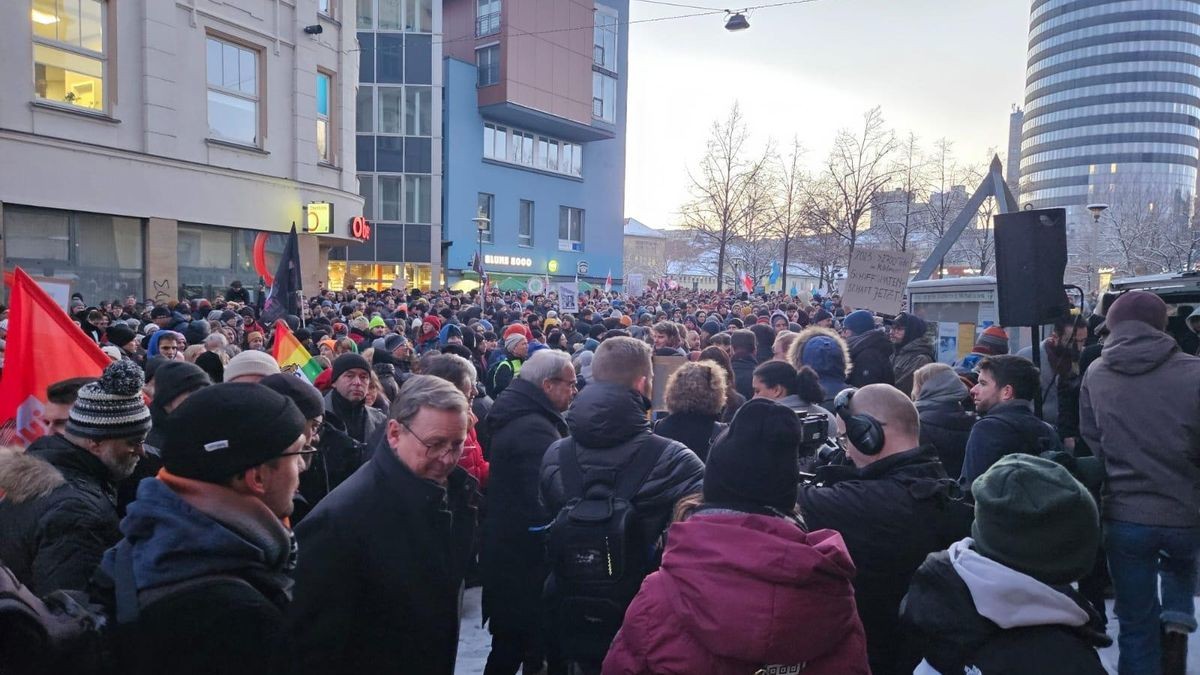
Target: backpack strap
(130,601)
(634,475)
(568,466)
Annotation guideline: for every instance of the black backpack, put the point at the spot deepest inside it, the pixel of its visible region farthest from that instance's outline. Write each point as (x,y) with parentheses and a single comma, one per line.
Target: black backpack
(599,550)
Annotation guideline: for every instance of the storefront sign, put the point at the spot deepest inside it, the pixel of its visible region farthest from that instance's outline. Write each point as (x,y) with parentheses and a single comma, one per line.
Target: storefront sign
(360,228)
(581,268)
(552,266)
(507,261)
(318,217)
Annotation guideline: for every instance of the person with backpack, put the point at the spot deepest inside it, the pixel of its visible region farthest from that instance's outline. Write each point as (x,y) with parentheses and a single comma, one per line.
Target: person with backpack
(1001,600)
(522,424)
(506,363)
(613,484)
(200,581)
(55,541)
(744,583)
(1004,399)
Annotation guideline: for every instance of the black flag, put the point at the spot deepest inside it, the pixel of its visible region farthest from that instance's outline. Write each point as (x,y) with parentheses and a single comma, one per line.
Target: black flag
(284,296)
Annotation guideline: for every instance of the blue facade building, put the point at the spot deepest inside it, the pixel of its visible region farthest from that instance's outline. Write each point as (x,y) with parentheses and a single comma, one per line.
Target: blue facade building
(534,139)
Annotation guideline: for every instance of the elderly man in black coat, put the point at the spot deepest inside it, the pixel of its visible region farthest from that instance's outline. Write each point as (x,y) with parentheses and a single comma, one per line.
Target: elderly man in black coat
(524,421)
(383,556)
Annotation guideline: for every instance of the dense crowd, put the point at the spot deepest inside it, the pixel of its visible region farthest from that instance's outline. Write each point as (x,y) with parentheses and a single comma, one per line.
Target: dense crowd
(806,489)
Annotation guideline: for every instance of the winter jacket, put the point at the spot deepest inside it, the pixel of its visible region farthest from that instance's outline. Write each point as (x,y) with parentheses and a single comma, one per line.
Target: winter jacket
(891,513)
(832,366)
(55,540)
(605,422)
(969,614)
(1139,411)
(362,422)
(377,587)
(743,374)
(502,371)
(908,359)
(695,430)
(520,427)
(190,530)
(946,427)
(871,354)
(1006,429)
(739,592)
(472,457)
(1050,382)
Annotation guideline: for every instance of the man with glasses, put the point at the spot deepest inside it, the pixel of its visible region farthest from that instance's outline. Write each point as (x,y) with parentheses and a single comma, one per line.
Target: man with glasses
(347,403)
(523,422)
(383,556)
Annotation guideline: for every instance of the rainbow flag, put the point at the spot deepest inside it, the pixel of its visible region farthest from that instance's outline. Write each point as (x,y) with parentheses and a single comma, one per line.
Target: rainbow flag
(289,352)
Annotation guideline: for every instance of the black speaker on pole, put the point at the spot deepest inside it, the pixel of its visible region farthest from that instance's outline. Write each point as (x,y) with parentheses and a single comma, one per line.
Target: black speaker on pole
(1031,259)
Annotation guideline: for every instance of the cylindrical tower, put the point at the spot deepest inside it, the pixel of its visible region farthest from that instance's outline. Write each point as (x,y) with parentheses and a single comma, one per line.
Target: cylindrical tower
(1112,104)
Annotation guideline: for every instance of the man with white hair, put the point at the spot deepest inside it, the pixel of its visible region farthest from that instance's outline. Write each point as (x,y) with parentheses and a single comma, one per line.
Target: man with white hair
(516,348)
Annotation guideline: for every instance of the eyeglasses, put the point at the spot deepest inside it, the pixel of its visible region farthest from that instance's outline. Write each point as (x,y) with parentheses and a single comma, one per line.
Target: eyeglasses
(299,452)
(443,449)
(574,384)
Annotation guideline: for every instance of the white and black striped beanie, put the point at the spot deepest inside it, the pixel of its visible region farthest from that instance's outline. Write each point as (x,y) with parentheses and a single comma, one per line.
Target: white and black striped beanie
(111,407)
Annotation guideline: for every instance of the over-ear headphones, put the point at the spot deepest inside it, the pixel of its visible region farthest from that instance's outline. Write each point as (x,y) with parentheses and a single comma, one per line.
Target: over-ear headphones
(864,431)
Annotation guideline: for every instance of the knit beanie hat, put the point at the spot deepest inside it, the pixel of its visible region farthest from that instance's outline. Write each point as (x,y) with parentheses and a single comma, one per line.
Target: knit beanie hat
(349,361)
(711,327)
(753,465)
(821,315)
(1138,306)
(172,379)
(377,322)
(993,341)
(251,362)
(111,407)
(513,341)
(304,395)
(225,429)
(859,322)
(211,364)
(120,334)
(1033,516)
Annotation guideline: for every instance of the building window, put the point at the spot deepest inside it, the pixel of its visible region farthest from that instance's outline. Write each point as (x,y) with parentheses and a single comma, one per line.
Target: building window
(418,191)
(418,111)
(324,139)
(366,189)
(523,148)
(325,7)
(364,109)
(389,16)
(365,14)
(525,226)
(570,229)
(487,17)
(232,92)
(604,97)
(487,59)
(391,106)
(604,39)
(68,52)
(418,15)
(486,208)
(389,197)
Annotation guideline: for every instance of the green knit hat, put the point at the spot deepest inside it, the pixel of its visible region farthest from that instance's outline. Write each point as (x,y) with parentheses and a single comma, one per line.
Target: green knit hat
(1033,516)
(377,322)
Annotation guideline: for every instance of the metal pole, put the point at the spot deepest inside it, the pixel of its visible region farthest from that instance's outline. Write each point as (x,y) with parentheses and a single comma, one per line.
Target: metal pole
(1036,333)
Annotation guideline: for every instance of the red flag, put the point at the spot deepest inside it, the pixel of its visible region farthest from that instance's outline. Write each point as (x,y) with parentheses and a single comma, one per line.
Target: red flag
(44,346)
(747,282)
(608,282)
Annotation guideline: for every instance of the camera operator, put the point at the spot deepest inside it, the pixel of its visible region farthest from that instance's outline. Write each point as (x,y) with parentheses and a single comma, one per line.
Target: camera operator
(893,507)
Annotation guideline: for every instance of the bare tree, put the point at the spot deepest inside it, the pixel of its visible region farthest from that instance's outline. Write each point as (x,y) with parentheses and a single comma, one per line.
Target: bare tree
(859,166)
(948,194)
(791,219)
(899,214)
(726,190)
(1148,230)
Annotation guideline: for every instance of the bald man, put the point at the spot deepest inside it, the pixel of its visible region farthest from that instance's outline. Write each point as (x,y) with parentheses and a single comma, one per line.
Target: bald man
(895,506)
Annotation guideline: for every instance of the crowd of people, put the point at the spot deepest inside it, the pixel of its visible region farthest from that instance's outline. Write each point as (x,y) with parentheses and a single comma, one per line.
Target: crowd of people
(809,491)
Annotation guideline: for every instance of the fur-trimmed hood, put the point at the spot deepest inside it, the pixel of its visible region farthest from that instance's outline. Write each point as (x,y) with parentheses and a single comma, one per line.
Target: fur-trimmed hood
(24,477)
(827,362)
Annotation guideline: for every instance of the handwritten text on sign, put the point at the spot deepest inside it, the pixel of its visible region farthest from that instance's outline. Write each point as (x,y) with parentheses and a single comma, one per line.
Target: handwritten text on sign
(876,281)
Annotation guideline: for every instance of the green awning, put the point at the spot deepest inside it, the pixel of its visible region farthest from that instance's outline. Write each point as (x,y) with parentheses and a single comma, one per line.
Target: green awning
(585,286)
(511,284)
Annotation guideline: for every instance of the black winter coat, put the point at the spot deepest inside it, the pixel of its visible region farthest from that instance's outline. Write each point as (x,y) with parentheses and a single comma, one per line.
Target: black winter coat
(946,426)
(605,421)
(1006,429)
(362,422)
(891,513)
(939,617)
(743,375)
(522,424)
(692,429)
(56,541)
(871,354)
(378,579)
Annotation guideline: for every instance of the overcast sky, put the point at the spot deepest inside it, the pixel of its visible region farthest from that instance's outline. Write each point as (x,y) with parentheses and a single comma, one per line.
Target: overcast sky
(939,68)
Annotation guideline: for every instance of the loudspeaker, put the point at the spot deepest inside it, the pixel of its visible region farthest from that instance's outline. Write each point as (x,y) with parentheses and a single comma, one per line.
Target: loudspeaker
(1031,259)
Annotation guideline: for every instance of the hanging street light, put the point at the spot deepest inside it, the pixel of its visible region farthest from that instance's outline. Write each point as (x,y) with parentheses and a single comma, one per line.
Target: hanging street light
(736,22)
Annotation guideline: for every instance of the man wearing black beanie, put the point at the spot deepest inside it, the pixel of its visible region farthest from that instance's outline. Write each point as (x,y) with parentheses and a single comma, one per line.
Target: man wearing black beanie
(207,542)
(346,405)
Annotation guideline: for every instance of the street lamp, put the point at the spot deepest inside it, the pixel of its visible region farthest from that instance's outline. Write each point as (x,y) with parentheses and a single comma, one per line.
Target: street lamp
(1096,210)
(736,22)
(482,223)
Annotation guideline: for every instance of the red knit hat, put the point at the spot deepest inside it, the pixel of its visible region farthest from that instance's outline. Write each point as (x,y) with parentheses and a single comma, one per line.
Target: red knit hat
(993,342)
(517,328)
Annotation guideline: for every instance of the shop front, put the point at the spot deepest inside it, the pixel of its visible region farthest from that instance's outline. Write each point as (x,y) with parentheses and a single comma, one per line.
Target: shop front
(383,253)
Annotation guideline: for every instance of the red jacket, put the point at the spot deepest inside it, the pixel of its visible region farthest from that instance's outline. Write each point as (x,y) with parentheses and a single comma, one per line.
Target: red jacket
(739,592)
(472,458)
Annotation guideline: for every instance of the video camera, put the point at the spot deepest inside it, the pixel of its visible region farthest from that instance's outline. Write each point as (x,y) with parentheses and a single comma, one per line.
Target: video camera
(817,449)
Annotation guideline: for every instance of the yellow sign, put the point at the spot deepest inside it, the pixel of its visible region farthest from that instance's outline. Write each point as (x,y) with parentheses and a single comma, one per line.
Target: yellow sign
(552,266)
(318,217)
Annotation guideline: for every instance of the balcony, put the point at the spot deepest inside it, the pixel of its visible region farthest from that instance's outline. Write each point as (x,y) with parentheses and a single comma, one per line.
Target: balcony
(487,24)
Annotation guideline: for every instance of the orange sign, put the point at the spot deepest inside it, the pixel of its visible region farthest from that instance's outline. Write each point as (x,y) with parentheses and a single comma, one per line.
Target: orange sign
(360,228)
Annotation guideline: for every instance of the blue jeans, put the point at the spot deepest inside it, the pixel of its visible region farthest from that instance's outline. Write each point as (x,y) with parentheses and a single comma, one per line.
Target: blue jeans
(1138,556)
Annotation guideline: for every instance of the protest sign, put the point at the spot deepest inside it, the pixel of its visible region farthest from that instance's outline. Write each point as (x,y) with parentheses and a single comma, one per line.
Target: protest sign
(568,298)
(876,281)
